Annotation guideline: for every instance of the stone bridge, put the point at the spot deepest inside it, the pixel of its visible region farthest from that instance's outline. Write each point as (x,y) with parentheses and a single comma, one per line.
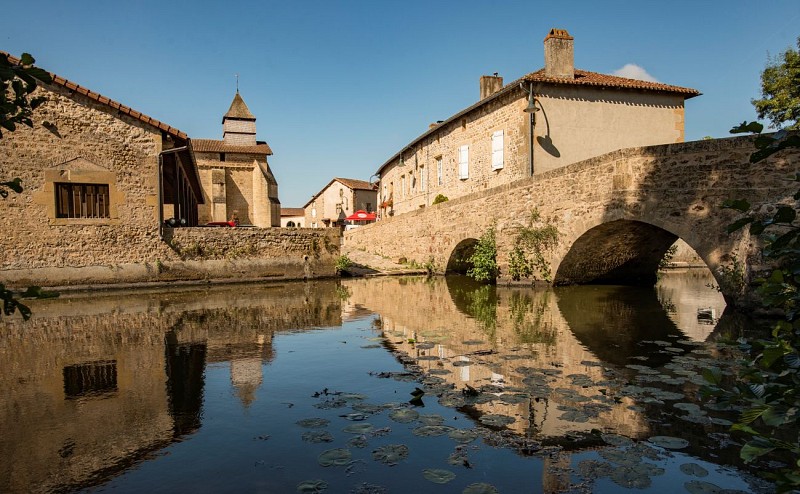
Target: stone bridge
(616,215)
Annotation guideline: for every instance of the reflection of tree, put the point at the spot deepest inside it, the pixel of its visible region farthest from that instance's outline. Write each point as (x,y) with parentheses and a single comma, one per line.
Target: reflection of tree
(527,317)
(476,300)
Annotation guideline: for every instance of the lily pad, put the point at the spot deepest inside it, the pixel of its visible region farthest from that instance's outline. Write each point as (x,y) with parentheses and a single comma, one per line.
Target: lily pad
(669,442)
(431,419)
(700,487)
(317,437)
(438,476)
(616,440)
(480,488)
(335,457)
(630,478)
(593,469)
(313,423)
(463,436)
(574,416)
(404,415)
(462,363)
(390,454)
(355,417)
(358,428)
(496,420)
(694,470)
(358,442)
(312,486)
(432,430)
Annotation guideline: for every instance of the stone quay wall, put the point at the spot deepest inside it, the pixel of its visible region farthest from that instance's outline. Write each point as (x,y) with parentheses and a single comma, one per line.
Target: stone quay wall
(200,255)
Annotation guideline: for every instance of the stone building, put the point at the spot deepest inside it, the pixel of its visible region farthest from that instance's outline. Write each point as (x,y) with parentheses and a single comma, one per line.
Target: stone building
(547,119)
(237,181)
(99,179)
(339,199)
(292,217)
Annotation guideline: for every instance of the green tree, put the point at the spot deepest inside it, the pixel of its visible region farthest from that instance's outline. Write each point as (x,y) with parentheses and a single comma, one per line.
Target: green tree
(767,389)
(19,79)
(780,90)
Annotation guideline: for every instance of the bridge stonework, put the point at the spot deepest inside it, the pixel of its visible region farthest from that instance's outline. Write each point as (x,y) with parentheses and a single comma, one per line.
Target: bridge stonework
(616,214)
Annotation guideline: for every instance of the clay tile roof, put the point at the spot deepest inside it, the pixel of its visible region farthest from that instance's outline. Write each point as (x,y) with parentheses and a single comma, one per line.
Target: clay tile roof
(586,78)
(239,110)
(218,146)
(292,211)
(75,88)
(355,184)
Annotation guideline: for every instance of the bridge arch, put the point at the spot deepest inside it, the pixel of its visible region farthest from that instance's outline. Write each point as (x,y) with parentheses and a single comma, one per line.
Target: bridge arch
(457,262)
(622,252)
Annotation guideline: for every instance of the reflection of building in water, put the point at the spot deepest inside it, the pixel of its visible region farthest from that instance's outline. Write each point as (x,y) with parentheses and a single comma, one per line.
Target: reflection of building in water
(685,293)
(556,350)
(523,328)
(94,384)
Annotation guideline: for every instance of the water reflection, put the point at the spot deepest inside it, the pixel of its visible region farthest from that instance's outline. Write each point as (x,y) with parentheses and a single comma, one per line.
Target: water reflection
(101,389)
(84,394)
(552,359)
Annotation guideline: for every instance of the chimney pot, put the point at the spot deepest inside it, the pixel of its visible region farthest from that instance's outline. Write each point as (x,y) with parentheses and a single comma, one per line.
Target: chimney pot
(490,84)
(559,56)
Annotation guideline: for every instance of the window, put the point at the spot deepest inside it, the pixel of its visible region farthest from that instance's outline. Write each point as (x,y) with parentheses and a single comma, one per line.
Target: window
(403,186)
(422,179)
(222,156)
(463,162)
(82,200)
(369,207)
(290,224)
(439,171)
(497,150)
(90,379)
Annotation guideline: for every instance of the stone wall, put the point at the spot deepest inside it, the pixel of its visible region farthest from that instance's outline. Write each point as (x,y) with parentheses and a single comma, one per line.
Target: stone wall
(678,189)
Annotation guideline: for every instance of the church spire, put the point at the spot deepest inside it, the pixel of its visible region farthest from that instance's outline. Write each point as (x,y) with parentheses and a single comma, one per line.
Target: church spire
(239,125)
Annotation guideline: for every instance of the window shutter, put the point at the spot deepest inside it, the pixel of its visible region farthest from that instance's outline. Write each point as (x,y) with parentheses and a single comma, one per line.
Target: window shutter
(463,162)
(497,150)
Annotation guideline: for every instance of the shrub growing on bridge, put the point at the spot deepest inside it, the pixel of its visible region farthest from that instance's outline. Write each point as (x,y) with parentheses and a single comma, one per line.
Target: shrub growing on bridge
(484,259)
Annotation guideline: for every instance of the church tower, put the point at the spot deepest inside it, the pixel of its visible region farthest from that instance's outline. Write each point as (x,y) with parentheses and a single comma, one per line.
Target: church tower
(239,125)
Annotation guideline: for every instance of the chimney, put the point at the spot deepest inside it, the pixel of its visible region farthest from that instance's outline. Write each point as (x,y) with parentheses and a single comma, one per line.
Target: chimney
(490,84)
(559,56)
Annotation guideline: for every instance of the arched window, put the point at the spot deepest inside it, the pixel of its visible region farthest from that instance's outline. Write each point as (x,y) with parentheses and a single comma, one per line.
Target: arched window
(290,224)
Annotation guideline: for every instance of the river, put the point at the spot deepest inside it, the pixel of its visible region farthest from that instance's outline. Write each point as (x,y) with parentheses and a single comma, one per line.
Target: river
(390,384)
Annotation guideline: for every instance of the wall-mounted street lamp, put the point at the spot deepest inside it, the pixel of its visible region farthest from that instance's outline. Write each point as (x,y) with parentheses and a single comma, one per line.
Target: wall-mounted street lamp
(531,109)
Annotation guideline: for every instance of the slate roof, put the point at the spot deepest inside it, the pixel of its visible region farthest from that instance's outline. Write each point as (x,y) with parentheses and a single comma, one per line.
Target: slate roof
(219,146)
(71,86)
(238,109)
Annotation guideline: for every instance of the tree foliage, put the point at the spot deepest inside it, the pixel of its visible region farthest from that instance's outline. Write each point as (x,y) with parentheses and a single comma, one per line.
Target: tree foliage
(768,386)
(532,240)
(19,79)
(780,90)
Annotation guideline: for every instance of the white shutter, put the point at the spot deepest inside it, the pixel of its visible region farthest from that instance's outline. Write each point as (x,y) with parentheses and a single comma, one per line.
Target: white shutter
(463,162)
(497,150)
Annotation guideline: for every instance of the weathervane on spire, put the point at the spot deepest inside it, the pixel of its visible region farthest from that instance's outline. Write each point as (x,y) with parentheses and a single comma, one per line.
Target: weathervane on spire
(237,83)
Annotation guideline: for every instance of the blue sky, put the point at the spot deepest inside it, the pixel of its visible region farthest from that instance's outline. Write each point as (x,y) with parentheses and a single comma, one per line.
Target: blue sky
(339,87)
